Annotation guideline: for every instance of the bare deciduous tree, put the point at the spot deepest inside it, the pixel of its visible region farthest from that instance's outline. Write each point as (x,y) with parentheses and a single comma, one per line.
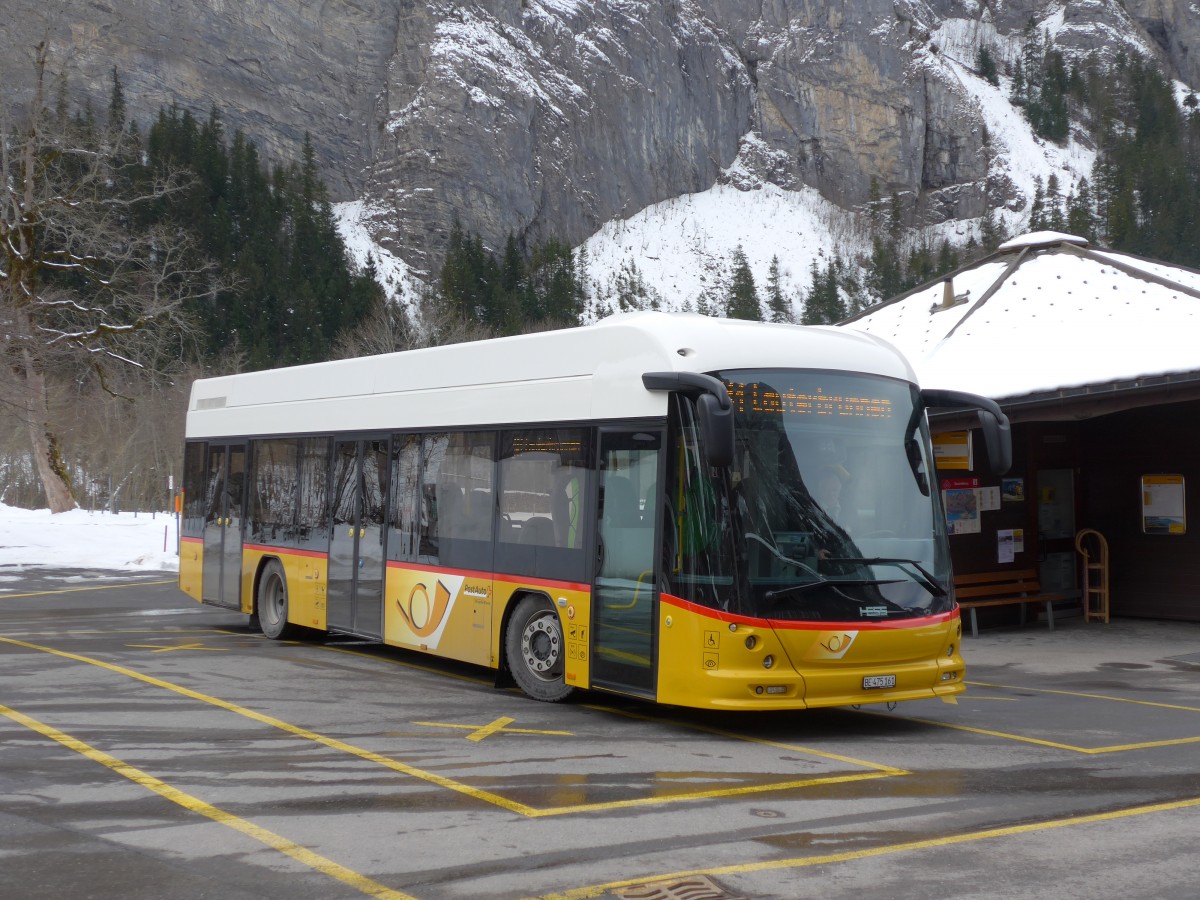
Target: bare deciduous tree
(88,280)
(390,327)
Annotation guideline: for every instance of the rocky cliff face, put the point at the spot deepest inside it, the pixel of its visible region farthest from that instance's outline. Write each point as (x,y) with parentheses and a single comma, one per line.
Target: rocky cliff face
(276,69)
(550,117)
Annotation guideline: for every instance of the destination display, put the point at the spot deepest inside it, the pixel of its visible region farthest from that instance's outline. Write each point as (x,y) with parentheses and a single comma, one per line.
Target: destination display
(762,399)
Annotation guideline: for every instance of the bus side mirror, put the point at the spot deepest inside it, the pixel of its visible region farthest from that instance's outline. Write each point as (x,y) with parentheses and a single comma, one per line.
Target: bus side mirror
(997,435)
(997,438)
(714,412)
(716,429)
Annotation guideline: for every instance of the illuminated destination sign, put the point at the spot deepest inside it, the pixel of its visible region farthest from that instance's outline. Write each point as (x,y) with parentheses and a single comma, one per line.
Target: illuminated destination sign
(762,399)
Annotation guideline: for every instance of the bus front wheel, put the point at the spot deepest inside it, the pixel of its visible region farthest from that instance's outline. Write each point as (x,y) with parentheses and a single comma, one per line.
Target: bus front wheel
(534,650)
(272,605)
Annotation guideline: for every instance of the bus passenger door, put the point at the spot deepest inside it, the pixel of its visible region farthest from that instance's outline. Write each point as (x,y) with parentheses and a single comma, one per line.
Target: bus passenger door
(359,493)
(625,596)
(225,478)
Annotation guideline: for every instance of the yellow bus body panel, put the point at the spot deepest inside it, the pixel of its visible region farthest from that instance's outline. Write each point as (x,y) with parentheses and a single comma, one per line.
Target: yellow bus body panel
(306,573)
(711,659)
(191,567)
(446,612)
(460,614)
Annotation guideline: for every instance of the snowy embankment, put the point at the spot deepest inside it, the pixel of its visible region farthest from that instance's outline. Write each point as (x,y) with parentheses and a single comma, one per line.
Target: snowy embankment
(80,539)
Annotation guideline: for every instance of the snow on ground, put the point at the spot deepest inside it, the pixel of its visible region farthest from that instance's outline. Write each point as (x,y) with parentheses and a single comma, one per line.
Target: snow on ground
(126,541)
(392,272)
(681,245)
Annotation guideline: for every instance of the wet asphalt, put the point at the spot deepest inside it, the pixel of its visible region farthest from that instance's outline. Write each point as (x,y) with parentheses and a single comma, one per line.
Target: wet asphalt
(153,747)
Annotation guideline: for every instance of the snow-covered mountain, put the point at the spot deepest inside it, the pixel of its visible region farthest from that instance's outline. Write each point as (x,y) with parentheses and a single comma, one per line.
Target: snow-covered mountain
(661,133)
(942,138)
(682,246)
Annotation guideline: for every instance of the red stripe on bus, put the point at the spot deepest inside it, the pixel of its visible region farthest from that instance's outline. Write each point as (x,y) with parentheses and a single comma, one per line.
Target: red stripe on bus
(286,551)
(496,576)
(823,625)
(192,540)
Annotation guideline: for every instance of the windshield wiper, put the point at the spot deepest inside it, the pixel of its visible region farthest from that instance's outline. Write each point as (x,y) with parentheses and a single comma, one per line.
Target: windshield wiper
(922,576)
(807,586)
(787,560)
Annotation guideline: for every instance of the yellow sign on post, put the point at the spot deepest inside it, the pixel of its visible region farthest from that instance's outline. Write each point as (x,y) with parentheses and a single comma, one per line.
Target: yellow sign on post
(952,450)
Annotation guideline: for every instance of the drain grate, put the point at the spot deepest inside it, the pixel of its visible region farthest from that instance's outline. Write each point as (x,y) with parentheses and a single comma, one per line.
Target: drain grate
(694,887)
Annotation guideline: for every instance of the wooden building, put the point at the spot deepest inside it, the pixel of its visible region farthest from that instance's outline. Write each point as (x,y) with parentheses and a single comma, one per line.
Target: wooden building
(1095,357)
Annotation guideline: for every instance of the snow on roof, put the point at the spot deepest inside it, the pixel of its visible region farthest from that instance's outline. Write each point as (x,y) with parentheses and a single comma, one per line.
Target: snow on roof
(1045,313)
(1042,239)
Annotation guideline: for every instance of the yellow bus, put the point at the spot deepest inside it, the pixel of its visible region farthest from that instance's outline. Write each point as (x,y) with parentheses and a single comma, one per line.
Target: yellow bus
(694,511)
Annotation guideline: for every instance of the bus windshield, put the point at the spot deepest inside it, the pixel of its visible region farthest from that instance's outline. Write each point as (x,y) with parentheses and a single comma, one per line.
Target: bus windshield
(827,513)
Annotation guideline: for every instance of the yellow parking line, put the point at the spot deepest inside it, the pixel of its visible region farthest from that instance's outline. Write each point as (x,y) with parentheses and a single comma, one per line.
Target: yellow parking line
(477,793)
(1007,687)
(294,730)
(98,587)
(302,855)
(1024,739)
(500,726)
(908,846)
(779,745)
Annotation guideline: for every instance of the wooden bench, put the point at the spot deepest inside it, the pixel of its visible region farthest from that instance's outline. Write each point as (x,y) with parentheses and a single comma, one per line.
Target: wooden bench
(1012,587)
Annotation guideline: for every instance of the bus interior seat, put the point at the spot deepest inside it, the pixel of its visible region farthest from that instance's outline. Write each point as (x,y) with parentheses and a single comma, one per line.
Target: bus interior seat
(567,501)
(538,532)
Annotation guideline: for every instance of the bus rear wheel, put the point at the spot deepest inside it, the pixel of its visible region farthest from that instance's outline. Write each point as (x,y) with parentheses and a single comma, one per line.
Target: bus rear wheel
(272,602)
(535,651)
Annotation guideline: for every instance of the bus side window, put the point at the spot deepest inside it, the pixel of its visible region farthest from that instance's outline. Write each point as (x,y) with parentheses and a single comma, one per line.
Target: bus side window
(312,518)
(407,513)
(433,451)
(543,484)
(463,490)
(273,487)
(194,499)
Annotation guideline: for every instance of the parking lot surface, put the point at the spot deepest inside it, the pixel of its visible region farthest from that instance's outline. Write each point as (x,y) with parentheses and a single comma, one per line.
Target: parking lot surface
(152,747)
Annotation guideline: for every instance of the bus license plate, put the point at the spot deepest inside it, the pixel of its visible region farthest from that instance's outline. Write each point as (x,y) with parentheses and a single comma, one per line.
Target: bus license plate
(878,681)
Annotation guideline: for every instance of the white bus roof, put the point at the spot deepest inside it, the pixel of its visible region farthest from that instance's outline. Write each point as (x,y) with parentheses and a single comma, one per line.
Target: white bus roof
(577,374)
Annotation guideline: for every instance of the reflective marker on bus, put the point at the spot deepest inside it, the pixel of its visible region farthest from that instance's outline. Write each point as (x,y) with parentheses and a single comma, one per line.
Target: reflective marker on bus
(694,511)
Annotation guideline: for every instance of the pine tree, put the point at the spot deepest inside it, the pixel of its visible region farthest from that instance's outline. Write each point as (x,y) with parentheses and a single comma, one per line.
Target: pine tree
(1080,219)
(985,64)
(555,293)
(742,301)
(991,231)
(777,303)
(1037,209)
(117,109)
(1055,220)
(947,260)
(824,304)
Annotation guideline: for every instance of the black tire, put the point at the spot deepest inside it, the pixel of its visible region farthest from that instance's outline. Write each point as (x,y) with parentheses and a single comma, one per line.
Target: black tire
(271,607)
(535,650)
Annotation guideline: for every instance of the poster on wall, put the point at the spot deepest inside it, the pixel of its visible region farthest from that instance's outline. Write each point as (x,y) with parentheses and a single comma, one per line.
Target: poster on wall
(1012,490)
(989,497)
(960,498)
(1163,504)
(952,450)
(1006,550)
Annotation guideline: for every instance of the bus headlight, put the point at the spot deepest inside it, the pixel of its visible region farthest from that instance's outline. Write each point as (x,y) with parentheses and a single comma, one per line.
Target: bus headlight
(768,661)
